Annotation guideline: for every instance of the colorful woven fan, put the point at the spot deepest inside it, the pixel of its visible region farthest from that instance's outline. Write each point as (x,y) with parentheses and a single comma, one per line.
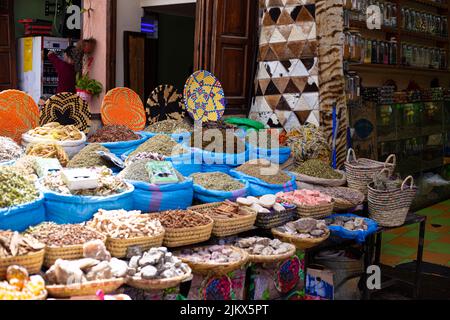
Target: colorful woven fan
(67,109)
(165,103)
(204,97)
(18,114)
(123,106)
(288,275)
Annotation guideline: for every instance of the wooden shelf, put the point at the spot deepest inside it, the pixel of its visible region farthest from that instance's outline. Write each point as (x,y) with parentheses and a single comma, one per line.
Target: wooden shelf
(429,3)
(396,69)
(423,36)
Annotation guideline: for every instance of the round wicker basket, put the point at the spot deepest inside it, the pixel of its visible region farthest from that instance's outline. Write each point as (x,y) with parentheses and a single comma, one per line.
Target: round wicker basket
(273,258)
(32,262)
(119,247)
(299,242)
(158,284)
(321,182)
(84,289)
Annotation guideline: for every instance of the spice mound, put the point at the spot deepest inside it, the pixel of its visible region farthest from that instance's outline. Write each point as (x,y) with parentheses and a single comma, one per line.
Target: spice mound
(26,165)
(263,246)
(178,219)
(157,263)
(55,235)
(268,139)
(149,156)
(266,171)
(97,264)
(113,133)
(57,132)
(309,142)
(217,181)
(9,149)
(211,255)
(161,144)
(305,197)
(121,224)
(13,244)
(227,210)
(355,197)
(108,184)
(218,141)
(169,127)
(20,286)
(136,171)
(306,228)
(15,189)
(318,169)
(349,223)
(88,157)
(48,150)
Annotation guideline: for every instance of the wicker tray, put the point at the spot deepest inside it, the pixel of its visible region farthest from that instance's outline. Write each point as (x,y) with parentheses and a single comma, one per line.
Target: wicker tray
(159,284)
(217,269)
(321,182)
(84,289)
(66,253)
(232,226)
(273,258)
(275,219)
(119,247)
(186,236)
(299,243)
(341,204)
(32,262)
(316,212)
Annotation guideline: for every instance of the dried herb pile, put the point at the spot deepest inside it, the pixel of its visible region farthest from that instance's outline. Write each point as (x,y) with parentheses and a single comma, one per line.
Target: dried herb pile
(169,127)
(265,170)
(161,144)
(220,143)
(136,171)
(177,219)
(309,142)
(113,133)
(318,169)
(9,150)
(217,181)
(15,189)
(88,157)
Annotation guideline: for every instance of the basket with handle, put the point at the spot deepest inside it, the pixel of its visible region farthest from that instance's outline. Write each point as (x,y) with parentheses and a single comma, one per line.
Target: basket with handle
(360,172)
(298,242)
(389,208)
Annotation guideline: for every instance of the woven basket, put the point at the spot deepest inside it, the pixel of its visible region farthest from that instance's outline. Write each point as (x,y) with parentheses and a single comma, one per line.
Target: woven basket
(360,172)
(85,289)
(275,219)
(390,208)
(316,212)
(186,236)
(299,243)
(273,258)
(119,247)
(66,253)
(159,284)
(321,182)
(232,226)
(341,204)
(32,262)
(217,269)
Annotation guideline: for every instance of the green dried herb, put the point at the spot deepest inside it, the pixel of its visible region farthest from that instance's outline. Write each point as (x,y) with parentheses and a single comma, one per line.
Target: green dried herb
(266,171)
(88,157)
(217,181)
(15,189)
(318,169)
(136,171)
(161,144)
(169,127)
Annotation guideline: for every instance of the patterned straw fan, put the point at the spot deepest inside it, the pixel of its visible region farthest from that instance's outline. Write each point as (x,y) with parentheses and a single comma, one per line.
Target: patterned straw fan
(123,106)
(67,109)
(18,114)
(204,97)
(165,103)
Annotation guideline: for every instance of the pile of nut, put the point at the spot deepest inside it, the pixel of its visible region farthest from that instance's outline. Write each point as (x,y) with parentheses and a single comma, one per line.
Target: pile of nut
(55,235)
(212,255)
(122,224)
(157,263)
(13,244)
(178,219)
(227,210)
(263,246)
(97,264)
(349,223)
(306,228)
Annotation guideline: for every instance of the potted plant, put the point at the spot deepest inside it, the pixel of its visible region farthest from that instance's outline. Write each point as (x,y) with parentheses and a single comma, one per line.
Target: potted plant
(88,88)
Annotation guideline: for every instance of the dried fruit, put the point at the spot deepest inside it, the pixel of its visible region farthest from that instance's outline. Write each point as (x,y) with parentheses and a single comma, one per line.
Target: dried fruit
(177,219)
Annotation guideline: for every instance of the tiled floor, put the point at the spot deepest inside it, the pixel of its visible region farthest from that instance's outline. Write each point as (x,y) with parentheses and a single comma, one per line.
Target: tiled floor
(400,245)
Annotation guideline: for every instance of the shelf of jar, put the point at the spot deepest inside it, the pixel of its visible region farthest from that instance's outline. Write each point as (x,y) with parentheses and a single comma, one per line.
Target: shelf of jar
(429,3)
(424,36)
(362,25)
(394,68)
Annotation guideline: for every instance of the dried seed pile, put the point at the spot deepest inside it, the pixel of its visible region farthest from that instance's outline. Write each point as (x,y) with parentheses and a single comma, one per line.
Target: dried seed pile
(113,133)
(15,189)
(217,181)
(264,170)
(9,149)
(88,157)
(318,169)
(13,244)
(55,235)
(177,219)
(226,210)
(161,144)
(169,127)
(121,224)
